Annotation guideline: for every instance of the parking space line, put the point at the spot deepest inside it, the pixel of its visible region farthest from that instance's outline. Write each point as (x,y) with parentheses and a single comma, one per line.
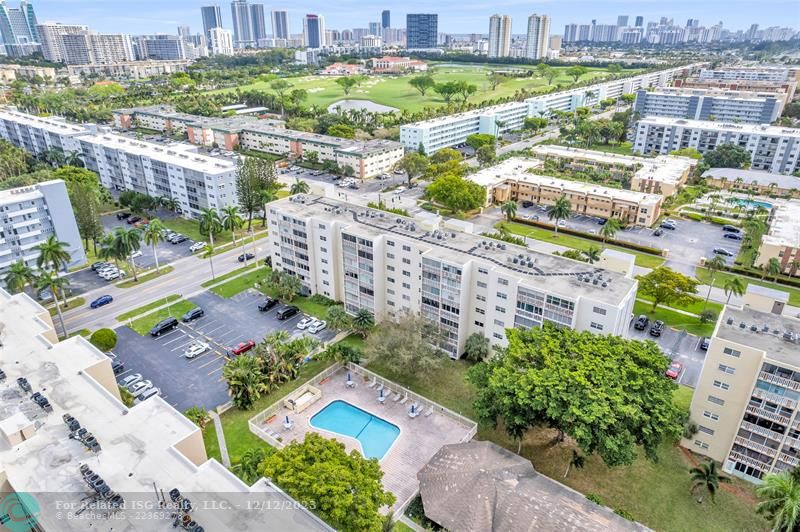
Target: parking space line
(163,336)
(176,339)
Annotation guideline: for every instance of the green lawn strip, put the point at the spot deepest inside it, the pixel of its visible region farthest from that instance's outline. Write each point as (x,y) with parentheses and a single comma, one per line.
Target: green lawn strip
(704,276)
(143,325)
(146,308)
(86,333)
(228,275)
(147,276)
(191,228)
(645,260)
(695,307)
(238,284)
(399,526)
(224,248)
(674,319)
(73,303)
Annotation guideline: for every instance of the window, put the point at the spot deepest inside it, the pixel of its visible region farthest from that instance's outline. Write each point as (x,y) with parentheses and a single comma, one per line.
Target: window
(326,283)
(498,336)
(598,326)
(707,430)
(390,279)
(390,243)
(406,261)
(324,261)
(325,272)
(727,369)
(390,255)
(701,444)
(732,352)
(390,268)
(722,385)
(499,323)
(323,238)
(406,248)
(480,298)
(406,273)
(390,291)
(407,286)
(503,282)
(716,400)
(501,295)
(324,250)
(479,323)
(500,309)
(481,285)
(484,271)
(711,415)
(406,297)
(598,310)
(480,310)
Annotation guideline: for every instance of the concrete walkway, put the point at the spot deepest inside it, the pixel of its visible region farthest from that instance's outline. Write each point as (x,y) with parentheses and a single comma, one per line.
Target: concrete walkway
(223,448)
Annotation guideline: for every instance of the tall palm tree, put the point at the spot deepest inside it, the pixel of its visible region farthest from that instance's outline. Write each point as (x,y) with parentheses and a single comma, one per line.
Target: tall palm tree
(74,158)
(560,210)
(245,380)
(208,253)
(609,229)
(774,268)
(707,476)
(714,265)
(266,195)
(780,494)
(299,187)
(734,286)
(210,224)
(231,221)
(171,204)
(124,242)
(509,208)
(152,235)
(18,276)
(53,254)
(56,285)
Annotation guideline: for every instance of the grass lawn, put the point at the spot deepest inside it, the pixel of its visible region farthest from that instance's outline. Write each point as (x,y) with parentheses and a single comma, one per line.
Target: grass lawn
(228,275)
(191,228)
(720,277)
(141,310)
(239,284)
(645,260)
(148,276)
(696,307)
(143,325)
(396,92)
(86,333)
(74,302)
(402,527)
(675,319)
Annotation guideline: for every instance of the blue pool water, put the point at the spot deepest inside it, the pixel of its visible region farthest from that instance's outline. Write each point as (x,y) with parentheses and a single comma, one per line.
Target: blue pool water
(752,204)
(375,434)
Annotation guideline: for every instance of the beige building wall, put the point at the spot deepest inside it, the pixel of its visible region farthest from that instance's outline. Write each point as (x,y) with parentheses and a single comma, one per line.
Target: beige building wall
(193,448)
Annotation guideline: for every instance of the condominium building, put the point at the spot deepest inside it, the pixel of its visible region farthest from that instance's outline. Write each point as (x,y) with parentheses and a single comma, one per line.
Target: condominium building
(705,104)
(77,458)
(499,36)
(313,31)
(130,69)
(783,90)
(29,216)
(17,25)
(220,42)
(393,265)
(775,149)
(97,48)
(37,135)
(212,18)
(782,241)
(50,37)
(451,130)
(664,174)
(422,30)
(538,37)
(746,400)
(161,47)
(242,24)
(759,73)
(517,179)
(753,181)
(280,23)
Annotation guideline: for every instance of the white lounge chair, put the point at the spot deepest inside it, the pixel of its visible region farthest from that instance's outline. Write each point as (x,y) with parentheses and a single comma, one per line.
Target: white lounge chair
(374,382)
(397,397)
(429,411)
(405,398)
(379,388)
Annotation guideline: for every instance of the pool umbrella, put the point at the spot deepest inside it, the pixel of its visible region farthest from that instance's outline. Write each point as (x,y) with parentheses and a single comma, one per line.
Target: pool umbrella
(381,392)
(412,409)
(286,420)
(348,378)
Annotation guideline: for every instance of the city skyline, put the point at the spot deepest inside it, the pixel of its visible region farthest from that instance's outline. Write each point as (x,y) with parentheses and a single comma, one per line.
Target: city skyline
(456,18)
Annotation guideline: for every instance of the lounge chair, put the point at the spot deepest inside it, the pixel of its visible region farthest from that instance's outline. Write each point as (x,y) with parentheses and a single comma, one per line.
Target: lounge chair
(374,382)
(379,388)
(414,411)
(397,397)
(429,411)
(405,398)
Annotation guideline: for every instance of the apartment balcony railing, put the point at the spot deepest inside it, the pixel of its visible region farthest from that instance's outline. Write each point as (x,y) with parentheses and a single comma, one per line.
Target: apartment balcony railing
(761,431)
(738,457)
(780,381)
(763,449)
(774,398)
(766,414)
(788,459)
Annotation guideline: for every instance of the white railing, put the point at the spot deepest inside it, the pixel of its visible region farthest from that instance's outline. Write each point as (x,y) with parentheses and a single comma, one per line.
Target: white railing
(787,459)
(738,457)
(763,449)
(768,415)
(780,381)
(771,434)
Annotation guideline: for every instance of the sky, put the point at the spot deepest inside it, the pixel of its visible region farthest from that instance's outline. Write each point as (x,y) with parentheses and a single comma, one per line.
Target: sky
(455,16)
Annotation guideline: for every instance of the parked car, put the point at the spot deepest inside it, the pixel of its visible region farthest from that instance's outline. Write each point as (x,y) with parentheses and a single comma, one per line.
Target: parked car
(674,370)
(169,234)
(140,386)
(305,322)
(132,220)
(602,221)
(641,323)
(101,301)
(136,254)
(723,251)
(733,236)
(123,215)
(163,326)
(384,177)
(669,224)
(267,304)
(658,232)
(353,186)
(118,366)
(193,314)
(195,349)
(704,343)
(527,204)
(97,266)
(731,229)
(243,347)
(112,275)
(142,222)
(246,256)
(130,380)
(177,239)
(657,328)
(399,190)
(147,394)
(197,246)
(106,269)
(317,326)
(286,311)
(562,223)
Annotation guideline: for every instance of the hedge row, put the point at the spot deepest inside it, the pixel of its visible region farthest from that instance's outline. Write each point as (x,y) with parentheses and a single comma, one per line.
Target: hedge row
(747,272)
(590,236)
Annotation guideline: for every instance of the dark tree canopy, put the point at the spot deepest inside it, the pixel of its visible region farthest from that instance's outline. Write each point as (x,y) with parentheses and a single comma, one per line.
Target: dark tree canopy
(727,156)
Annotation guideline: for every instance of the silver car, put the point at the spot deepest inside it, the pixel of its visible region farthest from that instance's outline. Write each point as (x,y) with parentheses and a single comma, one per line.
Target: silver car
(130,380)
(147,394)
(140,387)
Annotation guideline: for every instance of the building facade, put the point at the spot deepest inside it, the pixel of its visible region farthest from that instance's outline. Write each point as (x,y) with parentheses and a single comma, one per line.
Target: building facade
(782,241)
(538,37)
(17,26)
(313,31)
(704,104)
(220,42)
(393,265)
(242,24)
(212,18)
(280,23)
(29,216)
(50,37)
(759,73)
(130,70)
(753,182)
(499,36)
(774,149)
(422,30)
(161,47)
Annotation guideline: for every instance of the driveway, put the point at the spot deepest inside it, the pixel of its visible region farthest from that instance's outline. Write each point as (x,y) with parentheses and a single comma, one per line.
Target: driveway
(680,346)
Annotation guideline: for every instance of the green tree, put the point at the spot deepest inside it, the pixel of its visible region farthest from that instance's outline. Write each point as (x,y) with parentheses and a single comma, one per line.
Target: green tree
(476,140)
(208,253)
(124,242)
(210,225)
(299,187)
(477,348)
(18,276)
(245,381)
(56,286)
(199,416)
(446,90)
(592,254)
(340,352)
(104,339)
(706,476)
(250,461)
(281,86)
(152,235)
(713,265)
(609,229)
(342,131)
(422,83)
(86,205)
(346,488)
(495,79)
(692,153)
(456,193)
(337,318)
(734,286)
(608,393)
(285,285)
(727,156)
(254,175)
(231,221)
(666,286)
(547,72)
(442,157)
(780,500)
(576,71)
(773,268)
(363,322)
(312,157)
(560,210)
(509,208)
(408,346)
(265,196)
(347,83)
(535,124)
(614,68)
(486,154)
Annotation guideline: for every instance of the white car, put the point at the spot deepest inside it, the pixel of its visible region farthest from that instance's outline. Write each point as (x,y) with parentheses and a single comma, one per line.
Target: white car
(197,246)
(130,380)
(139,387)
(197,348)
(399,190)
(107,269)
(110,276)
(136,254)
(317,326)
(562,223)
(305,322)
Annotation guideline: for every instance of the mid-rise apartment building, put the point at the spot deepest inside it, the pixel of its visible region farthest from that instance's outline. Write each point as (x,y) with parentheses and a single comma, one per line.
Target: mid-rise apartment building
(664,174)
(130,69)
(704,104)
(772,148)
(147,456)
(37,135)
(451,130)
(776,74)
(394,265)
(499,36)
(516,179)
(753,181)
(746,401)
(783,90)
(29,216)
(50,36)
(782,241)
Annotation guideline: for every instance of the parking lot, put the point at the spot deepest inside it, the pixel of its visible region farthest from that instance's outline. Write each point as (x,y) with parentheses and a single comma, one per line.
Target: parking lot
(680,346)
(367,186)
(198,381)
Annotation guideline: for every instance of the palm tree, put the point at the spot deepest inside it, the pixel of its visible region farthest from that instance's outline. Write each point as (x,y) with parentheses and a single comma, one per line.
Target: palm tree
(171,204)
(245,380)
(56,285)
(153,234)
(231,221)
(609,229)
(299,187)
(707,476)
(266,195)
(774,268)
(74,158)
(592,254)
(362,322)
(247,468)
(780,494)
(560,210)
(18,276)
(714,265)
(208,253)
(53,254)
(124,241)
(509,208)
(734,286)
(210,224)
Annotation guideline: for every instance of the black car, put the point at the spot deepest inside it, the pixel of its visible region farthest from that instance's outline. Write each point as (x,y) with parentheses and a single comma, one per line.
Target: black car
(602,221)
(730,229)
(267,304)
(132,220)
(286,312)
(641,323)
(668,225)
(123,215)
(163,326)
(354,186)
(658,232)
(733,236)
(246,256)
(193,315)
(527,204)
(118,366)
(723,251)
(705,343)
(657,328)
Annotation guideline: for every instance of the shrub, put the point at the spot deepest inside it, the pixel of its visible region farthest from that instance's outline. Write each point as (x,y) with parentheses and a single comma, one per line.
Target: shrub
(319,299)
(624,514)
(104,339)
(707,316)
(595,498)
(127,397)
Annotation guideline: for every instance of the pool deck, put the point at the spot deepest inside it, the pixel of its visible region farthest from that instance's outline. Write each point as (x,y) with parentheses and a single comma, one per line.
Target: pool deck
(419,439)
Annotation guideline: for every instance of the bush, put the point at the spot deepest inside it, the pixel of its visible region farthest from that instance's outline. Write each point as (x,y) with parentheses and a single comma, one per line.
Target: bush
(708,316)
(319,299)
(624,514)
(595,499)
(127,397)
(104,339)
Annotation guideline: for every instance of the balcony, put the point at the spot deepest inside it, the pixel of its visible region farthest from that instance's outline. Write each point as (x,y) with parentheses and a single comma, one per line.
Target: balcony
(761,431)
(787,459)
(763,449)
(737,457)
(774,398)
(780,381)
(766,414)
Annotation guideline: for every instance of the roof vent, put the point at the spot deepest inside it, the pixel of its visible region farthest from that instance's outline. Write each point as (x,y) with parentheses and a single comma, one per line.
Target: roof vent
(754,328)
(743,325)
(604,285)
(765,328)
(729,321)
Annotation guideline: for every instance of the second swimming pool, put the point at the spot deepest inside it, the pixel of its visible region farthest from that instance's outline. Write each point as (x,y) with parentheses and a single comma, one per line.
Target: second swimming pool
(376,435)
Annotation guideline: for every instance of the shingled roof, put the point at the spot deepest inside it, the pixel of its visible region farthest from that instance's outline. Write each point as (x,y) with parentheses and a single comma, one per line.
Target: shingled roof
(481,486)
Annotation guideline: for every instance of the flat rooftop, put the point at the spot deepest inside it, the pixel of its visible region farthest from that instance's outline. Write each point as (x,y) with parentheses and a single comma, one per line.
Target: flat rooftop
(52,124)
(561,275)
(140,446)
(723,94)
(784,230)
(751,177)
(722,126)
(762,330)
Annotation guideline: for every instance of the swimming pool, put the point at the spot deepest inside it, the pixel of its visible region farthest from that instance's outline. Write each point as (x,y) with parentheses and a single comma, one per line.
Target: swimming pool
(375,434)
(752,204)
